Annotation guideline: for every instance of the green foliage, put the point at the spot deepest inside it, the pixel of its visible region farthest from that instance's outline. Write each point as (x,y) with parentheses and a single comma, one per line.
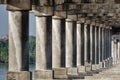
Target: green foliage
(32,49)
(4,50)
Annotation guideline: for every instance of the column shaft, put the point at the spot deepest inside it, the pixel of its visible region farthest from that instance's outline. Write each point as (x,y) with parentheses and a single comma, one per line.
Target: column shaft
(18,41)
(56,43)
(69,43)
(41,43)
(85,44)
(91,43)
(79,44)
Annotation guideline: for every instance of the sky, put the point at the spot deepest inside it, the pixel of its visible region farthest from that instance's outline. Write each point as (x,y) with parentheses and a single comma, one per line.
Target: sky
(4,22)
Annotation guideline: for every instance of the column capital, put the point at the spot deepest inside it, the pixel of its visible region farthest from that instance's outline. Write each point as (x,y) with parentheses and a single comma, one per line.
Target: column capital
(93,23)
(69,20)
(97,24)
(43,11)
(87,21)
(81,20)
(56,17)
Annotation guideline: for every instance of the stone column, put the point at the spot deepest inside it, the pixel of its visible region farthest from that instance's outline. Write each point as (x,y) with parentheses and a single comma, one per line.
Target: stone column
(69,48)
(114,49)
(104,62)
(43,57)
(106,49)
(59,72)
(111,59)
(100,45)
(80,28)
(103,47)
(18,46)
(56,43)
(95,66)
(118,50)
(87,60)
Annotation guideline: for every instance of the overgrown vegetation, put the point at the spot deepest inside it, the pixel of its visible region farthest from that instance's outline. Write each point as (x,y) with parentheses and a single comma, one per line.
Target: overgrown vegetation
(4,50)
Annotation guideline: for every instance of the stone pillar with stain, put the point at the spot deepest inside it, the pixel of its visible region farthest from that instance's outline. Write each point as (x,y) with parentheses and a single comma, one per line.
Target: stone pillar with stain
(100,45)
(43,57)
(18,40)
(43,14)
(105,49)
(87,55)
(103,46)
(80,46)
(96,54)
(59,71)
(110,38)
(71,70)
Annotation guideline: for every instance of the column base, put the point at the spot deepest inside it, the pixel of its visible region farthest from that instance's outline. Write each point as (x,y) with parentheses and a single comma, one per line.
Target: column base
(22,75)
(111,61)
(72,71)
(100,65)
(60,73)
(81,69)
(88,66)
(43,74)
(95,66)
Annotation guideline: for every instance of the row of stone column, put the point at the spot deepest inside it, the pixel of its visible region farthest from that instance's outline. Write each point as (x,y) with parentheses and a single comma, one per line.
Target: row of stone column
(64,47)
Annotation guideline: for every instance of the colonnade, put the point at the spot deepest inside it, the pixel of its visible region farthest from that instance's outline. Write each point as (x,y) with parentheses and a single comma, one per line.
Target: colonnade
(64,47)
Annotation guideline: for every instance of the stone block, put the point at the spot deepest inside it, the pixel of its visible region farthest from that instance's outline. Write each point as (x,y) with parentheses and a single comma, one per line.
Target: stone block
(100,65)
(22,75)
(94,67)
(43,74)
(81,69)
(18,4)
(88,66)
(61,14)
(43,11)
(60,73)
(72,71)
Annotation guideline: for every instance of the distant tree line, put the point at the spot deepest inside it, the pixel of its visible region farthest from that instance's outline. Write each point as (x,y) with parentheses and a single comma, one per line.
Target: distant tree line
(4,50)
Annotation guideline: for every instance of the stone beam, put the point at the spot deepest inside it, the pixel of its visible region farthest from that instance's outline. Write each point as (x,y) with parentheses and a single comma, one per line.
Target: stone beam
(18,5)
(42,7)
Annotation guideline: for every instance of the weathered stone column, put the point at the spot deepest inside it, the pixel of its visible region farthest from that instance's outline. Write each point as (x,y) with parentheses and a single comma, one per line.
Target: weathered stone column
(103,46)
(56,42)
(43,50)
(81,68)
(43,14)
(91,43)
(18,45)
(110,34)
(78,29)
(107,47)
(105,51)
(100,45)
(59,72)
(80,46)
(118,50)
(69,43)
(18,40)
(114,49)
(104,62)
(69,48)
(96,65)
(87,60)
